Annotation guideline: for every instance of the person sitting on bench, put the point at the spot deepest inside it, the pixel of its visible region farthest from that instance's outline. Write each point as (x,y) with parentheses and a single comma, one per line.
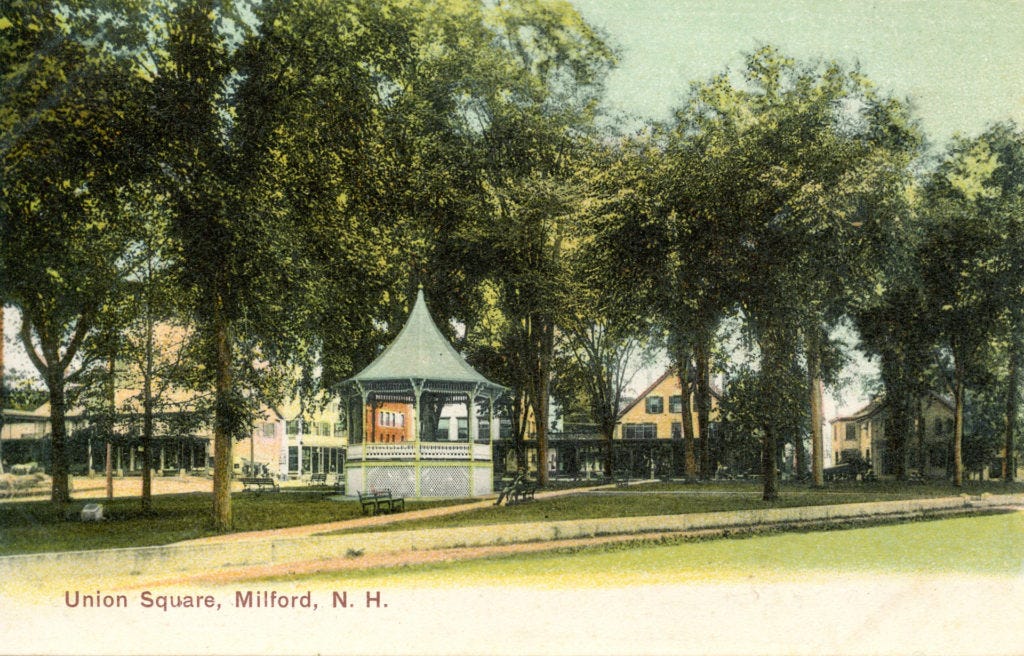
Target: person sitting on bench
(506,491)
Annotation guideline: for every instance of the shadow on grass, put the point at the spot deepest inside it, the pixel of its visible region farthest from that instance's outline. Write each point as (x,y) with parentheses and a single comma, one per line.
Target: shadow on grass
(38,526)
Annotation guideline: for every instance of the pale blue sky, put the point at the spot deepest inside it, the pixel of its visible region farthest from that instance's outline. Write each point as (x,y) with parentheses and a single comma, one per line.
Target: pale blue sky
(959,62)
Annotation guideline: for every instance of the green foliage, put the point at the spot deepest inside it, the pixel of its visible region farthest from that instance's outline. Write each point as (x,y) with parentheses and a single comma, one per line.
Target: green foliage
(70,132)
(22,392)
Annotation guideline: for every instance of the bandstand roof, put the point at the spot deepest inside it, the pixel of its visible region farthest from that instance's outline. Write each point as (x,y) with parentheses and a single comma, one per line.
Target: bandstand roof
(422,356)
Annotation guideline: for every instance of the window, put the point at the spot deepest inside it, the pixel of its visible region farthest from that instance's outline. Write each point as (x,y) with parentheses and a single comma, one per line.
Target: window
(851,432)
(675,403)
(463,428)
(442,429)
(677,429)
(339,429)
(639,431)
(655,405)
(292,427)
(268,429)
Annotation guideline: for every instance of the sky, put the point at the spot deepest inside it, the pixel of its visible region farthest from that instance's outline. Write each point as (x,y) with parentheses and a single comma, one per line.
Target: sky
(960,63)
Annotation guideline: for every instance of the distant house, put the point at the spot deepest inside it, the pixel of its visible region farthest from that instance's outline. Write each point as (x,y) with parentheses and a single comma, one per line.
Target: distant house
(283,444)
(862,435)
(657,412)
(291,443)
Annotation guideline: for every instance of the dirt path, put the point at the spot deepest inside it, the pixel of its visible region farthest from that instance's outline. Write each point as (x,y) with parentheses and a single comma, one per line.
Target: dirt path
(371,521)
(353,562)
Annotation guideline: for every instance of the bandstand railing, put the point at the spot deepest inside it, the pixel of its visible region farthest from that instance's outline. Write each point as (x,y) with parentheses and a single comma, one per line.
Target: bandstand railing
(427,451)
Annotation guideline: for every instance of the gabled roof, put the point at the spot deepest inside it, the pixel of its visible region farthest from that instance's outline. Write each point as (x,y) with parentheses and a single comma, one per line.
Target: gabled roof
(650,388)
(873,406)
(421,353)
(878,403)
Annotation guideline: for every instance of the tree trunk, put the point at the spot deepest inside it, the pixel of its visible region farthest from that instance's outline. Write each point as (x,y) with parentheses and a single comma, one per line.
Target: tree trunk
(1010,420)
(702,390)
(541,417)
(60,488)
(519,429)
(686,414)
(958,421)
(111,397)
(542,336)
(922,452)
(770,361)
(3,387)
(897,428)
(608,433)
(817,438)
(223,421)
(769,463)
(147,418)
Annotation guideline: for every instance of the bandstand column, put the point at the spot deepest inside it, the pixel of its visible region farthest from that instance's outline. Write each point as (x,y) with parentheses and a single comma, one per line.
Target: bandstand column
(298,442)
(492,427)
(362,434)
(471,429)
(417,392)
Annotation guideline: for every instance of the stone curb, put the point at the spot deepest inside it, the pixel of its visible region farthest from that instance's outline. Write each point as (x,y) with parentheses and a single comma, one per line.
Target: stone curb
(168,560)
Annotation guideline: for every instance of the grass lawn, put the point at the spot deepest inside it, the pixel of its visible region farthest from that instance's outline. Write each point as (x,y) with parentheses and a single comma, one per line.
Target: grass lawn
(985,545)
(677,498)
(35,526)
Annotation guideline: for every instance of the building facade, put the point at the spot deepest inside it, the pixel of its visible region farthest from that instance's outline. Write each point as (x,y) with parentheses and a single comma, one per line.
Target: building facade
(862,435)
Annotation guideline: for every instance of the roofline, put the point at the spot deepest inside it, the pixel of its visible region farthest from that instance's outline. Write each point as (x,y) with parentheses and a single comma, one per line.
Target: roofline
(642,395)
(650,388)
(861,414)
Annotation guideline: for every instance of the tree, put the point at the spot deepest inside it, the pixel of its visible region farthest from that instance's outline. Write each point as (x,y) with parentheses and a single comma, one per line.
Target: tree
(1006,141)
(960,268)
(790,160)
(70,108)
(600,351)
(143,339)
(532,74)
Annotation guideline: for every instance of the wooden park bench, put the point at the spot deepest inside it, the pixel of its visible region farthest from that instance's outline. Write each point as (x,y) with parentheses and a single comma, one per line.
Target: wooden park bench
(258,483)
(521,492)
(381,501)
(318,479)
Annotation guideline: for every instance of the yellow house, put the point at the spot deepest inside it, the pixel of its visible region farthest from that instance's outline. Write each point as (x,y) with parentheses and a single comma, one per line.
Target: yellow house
(862,434)
(657,412)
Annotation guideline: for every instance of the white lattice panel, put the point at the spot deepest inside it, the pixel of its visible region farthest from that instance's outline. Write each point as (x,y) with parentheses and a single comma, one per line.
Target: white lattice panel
(444,481)
(400,480)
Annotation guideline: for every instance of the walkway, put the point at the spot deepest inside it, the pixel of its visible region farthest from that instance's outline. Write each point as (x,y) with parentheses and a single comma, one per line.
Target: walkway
(372,521)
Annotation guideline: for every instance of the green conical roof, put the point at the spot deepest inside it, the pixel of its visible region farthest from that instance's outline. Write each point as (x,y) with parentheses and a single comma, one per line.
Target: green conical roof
(421,352)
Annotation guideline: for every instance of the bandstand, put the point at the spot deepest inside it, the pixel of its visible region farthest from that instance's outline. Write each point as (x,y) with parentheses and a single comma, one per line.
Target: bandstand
(393,409)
